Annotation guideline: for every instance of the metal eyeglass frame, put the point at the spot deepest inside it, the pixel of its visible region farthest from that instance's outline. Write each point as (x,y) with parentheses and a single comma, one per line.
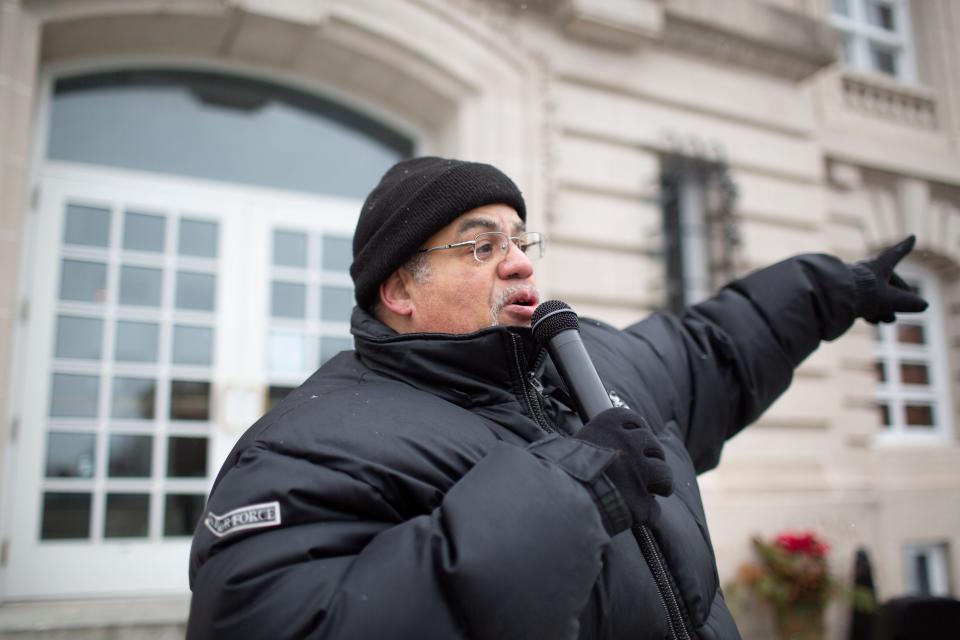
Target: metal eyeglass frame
(539,241)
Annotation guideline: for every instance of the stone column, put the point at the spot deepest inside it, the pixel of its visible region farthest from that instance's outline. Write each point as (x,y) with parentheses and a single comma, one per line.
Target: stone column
(19,57)
(936,24)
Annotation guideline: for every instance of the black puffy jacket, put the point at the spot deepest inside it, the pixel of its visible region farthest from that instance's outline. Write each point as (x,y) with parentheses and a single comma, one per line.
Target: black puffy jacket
(423,487)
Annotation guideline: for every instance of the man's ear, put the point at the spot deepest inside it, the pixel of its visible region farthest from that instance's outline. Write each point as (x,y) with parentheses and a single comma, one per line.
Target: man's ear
(395,293)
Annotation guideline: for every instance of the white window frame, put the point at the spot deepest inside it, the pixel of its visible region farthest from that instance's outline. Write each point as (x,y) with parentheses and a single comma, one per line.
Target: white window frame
(937,554)
(862,34)
(934,353)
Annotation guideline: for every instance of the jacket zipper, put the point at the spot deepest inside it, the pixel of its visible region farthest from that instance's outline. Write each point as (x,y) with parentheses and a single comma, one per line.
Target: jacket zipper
(648,547)
(528,394)
(530,388)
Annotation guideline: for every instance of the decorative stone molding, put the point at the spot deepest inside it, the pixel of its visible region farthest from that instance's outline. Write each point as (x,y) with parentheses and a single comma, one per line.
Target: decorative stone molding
(309,12)
(751,34)
(846,177)
(745,33)
(622,24)
(876,96)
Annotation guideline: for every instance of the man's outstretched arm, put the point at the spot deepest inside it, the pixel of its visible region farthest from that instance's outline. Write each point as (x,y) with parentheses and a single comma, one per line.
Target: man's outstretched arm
(731,356)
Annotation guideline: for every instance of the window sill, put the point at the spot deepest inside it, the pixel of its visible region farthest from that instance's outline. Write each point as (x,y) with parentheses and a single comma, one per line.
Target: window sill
(933,439)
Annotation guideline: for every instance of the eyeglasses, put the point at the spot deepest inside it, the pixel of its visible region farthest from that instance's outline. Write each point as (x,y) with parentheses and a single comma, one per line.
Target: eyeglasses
(496,243)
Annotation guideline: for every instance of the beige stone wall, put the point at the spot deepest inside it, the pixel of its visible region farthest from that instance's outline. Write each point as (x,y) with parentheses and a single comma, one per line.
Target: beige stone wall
(18,65)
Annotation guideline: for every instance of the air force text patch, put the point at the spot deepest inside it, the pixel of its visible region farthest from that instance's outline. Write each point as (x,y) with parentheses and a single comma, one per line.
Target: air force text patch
(254,516)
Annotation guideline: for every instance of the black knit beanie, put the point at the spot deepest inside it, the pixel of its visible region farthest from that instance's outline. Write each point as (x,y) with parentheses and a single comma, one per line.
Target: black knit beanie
(415,199)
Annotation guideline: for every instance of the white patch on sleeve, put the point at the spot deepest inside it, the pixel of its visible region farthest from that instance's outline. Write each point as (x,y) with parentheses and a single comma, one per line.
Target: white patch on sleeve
(617,400)
(255,516)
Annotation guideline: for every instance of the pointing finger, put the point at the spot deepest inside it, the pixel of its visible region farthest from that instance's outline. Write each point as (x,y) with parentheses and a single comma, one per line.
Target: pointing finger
(890,257)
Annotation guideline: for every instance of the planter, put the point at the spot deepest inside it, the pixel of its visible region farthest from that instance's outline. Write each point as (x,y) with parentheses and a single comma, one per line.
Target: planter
(800,622)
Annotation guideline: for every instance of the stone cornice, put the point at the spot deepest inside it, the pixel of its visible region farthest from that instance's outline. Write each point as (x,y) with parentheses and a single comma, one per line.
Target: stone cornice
(750,34)
(745,33)
(618,24)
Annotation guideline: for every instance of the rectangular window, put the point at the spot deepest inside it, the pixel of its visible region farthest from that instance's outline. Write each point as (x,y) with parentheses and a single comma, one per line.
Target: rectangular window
(136,306)
(928,568)
(875,35)
(911,372)
(311,300)
(699,231)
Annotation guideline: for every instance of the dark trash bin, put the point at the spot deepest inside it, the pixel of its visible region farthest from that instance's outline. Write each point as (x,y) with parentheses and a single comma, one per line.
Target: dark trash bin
(918,618)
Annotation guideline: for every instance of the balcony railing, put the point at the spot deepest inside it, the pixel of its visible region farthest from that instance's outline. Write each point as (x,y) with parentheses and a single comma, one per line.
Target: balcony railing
(890,100)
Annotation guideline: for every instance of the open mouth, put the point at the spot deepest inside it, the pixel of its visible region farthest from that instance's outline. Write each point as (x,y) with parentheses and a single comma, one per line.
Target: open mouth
(518,303)
(522,299)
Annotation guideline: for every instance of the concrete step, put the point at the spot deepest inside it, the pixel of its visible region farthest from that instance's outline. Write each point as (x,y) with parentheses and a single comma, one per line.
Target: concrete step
(153,618)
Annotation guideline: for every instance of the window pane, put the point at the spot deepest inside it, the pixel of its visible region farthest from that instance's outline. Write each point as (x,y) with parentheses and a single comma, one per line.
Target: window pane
(83,281)
(914,374)
(88,226)
(919,415)
(289,249)
(286,352)
(910,333)
(140,286)
(921,570)
(884,411)
(137,341)
(133,398)
(220,127)
(839,7)
(196,291)
(186,457)
(79,337)
(74,395)
(144,232)
(275,394)
(336,303)
(65,516)
(880,371)
(331,346)
(192,345)
(198,238)
(846,49)
(127,515)
(884,59)
(881,14)
(130,456)
(71,455)
(189,400)
(288,300)
(182,512)
(337,253)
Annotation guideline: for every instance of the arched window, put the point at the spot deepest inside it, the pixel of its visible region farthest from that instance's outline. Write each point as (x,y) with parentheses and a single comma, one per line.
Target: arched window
(190,264)
(220,127)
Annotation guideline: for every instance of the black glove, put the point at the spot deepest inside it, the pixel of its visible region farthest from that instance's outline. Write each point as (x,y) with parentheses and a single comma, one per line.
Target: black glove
(639,470)
(880,292)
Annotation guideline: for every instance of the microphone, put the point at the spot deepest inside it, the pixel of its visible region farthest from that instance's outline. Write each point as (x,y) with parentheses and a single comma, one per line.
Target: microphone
(557,327)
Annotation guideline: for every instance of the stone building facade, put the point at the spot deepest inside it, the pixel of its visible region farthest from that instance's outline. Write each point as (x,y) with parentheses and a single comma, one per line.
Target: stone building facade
(178,179)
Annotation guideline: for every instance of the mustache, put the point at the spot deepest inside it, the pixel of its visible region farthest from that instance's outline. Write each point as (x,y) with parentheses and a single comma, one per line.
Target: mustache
(501,300)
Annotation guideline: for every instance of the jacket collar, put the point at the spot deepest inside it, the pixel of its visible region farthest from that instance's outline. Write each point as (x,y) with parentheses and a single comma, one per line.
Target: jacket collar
(470,370)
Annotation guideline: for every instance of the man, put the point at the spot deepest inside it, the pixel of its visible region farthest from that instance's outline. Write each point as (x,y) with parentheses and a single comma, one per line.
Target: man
(435,483)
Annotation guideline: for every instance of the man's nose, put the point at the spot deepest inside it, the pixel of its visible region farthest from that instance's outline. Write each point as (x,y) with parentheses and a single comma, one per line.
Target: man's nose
(515,265)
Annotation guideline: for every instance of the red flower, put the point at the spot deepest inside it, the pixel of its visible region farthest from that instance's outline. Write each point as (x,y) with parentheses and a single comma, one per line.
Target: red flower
(803,542)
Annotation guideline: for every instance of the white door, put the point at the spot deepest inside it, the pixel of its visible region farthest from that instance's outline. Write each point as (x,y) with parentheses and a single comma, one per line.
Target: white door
(165,315)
